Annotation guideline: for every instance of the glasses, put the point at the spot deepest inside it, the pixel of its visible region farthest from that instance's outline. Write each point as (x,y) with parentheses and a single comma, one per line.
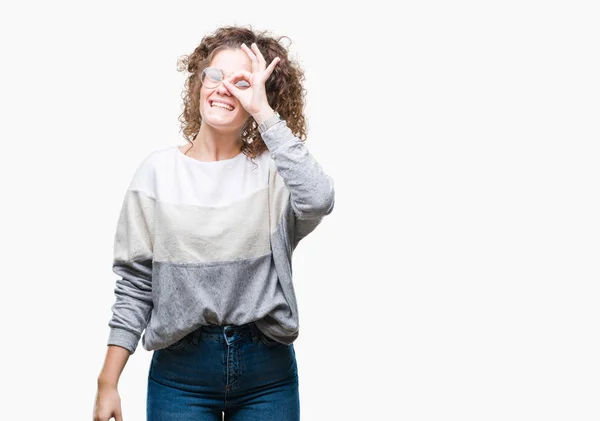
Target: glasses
(212,76)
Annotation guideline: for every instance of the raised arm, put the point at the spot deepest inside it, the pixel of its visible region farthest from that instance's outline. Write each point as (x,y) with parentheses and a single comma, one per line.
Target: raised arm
(312,192)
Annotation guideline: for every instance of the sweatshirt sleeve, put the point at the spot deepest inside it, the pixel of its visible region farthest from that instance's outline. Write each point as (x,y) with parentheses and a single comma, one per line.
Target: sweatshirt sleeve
(133,247)
(312,193)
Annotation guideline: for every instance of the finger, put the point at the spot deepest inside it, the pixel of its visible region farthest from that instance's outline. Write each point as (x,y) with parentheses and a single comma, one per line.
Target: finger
(253,58)
(261,60)
(271,67)
(234,90)
(241,75)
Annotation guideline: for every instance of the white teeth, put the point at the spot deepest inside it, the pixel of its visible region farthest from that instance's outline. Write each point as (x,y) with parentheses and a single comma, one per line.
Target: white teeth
(221,105)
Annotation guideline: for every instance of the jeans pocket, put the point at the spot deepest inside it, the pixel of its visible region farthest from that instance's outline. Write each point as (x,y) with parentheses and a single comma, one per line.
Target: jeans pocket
(268,341)
(178,344)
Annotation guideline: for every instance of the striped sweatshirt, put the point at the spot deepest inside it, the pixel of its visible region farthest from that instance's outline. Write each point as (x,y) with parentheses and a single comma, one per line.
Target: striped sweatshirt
(210,243)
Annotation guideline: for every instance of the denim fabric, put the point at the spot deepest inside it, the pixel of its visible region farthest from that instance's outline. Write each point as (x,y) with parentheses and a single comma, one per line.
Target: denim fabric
(230,369)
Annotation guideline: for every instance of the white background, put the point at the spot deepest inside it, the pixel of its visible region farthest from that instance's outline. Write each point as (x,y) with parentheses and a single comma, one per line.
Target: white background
(457,277)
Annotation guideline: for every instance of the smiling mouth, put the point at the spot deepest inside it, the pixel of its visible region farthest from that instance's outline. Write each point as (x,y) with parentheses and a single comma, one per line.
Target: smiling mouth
(217,104)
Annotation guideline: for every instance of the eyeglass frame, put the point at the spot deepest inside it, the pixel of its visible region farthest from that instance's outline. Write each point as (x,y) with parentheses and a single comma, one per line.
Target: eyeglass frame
(223,74)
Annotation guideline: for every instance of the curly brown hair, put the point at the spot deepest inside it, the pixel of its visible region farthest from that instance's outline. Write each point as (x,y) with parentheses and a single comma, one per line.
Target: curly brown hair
(285,92)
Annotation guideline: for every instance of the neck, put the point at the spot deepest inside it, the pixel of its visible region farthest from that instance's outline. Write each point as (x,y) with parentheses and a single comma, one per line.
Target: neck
(213,144)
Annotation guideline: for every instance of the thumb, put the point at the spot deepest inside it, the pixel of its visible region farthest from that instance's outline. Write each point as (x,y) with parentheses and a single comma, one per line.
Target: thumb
(118,416)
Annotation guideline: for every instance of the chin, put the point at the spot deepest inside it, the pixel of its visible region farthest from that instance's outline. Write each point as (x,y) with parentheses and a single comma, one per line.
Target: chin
(219,123)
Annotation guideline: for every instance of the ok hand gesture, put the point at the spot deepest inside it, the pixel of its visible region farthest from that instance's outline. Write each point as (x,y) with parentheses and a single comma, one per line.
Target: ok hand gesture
(253,98)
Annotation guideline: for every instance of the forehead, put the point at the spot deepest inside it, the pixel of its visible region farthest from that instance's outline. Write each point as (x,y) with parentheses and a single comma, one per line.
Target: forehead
(231,60)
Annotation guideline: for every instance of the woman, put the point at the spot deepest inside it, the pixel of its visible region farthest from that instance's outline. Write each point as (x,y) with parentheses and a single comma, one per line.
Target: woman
(205,237)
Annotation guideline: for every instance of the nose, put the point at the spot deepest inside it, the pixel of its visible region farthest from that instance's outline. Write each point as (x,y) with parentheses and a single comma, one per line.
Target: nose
(222,90)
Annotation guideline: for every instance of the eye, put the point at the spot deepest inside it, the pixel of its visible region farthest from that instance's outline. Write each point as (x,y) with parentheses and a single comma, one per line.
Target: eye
(242,84)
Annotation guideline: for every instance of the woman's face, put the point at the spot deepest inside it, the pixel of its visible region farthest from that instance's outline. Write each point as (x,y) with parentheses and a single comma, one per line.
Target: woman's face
(229,61)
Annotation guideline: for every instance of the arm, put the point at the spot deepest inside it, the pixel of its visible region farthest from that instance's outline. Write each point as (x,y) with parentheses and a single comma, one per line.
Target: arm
(107,404)
(312,193)
(133,291)
(311,190)
(133,250)
(114,363)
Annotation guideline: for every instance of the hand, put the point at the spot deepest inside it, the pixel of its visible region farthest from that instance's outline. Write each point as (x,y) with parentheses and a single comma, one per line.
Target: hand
(108,404)
(254,98)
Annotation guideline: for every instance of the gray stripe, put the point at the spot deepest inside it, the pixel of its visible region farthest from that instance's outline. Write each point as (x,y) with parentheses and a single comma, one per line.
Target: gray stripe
(189,295)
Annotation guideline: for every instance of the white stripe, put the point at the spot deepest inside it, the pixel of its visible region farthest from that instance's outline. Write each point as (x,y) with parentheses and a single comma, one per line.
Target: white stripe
(179,179)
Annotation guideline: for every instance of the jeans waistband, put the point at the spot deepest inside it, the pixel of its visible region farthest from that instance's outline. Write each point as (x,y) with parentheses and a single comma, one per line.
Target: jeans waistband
(225,328)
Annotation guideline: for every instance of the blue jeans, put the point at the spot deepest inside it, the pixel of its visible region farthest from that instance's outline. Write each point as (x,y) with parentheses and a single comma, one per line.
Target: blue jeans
(230,369)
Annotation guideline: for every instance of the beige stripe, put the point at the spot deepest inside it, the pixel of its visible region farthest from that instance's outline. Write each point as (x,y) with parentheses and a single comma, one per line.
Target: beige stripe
(135,227)
(194,234)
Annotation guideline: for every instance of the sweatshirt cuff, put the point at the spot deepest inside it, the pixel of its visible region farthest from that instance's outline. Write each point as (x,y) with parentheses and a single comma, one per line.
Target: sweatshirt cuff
(123,338)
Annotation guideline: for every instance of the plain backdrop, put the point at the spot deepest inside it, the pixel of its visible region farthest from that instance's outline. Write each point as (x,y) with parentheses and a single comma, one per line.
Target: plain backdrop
(456,278)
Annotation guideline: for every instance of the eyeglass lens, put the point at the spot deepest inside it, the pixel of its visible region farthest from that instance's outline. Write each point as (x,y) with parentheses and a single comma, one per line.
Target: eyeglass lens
(212,77)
